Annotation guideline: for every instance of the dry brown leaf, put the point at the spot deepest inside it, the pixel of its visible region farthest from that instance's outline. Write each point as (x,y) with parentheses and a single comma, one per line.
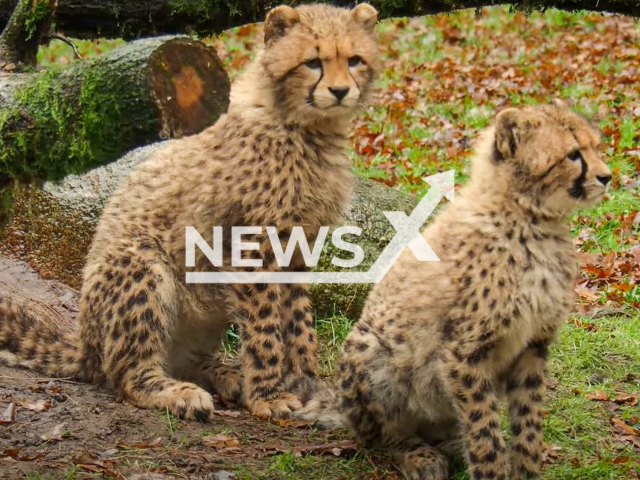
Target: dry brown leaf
(288,422)
(621,427)
(220,441)
(139,445)
(626,399)
(599,396)
(56,434)
(89,462)
(550,453)
(12,452)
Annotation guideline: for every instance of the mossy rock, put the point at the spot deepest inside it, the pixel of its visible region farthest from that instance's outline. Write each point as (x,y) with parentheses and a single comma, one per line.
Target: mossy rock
(53,227)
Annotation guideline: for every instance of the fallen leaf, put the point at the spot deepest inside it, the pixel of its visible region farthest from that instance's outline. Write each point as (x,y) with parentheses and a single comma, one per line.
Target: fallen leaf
(550,453)
(89,462)
(56,434)
(139,445)
(220,441)
(288,422)
(12,452)
(626,399)
(9,414)
(38,406)
(221,475)
(626,433)
(599,396)
(620,425)
(228,413)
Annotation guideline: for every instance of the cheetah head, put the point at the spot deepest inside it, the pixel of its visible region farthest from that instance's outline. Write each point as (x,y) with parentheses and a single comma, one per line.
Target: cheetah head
(322,60)
(554,157)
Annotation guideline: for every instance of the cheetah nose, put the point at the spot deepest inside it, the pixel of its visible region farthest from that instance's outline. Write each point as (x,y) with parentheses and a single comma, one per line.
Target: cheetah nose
(604,179)
(339,92)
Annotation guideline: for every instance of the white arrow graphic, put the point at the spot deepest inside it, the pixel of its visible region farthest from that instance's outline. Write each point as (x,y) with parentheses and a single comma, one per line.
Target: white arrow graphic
(407,235)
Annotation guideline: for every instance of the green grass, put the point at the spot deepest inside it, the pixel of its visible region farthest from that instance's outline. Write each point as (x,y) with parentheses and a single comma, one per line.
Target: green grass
(582,362)
(289,466)
(70,474)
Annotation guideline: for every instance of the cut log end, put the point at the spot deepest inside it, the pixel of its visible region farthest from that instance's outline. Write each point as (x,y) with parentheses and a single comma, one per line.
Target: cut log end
(188,85)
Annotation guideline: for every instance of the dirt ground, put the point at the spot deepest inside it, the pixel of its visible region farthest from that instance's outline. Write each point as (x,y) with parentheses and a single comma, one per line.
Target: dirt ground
(59,428)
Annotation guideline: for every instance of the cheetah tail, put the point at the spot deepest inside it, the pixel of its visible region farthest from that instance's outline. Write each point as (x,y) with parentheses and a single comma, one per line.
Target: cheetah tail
(321,407)
(35,336)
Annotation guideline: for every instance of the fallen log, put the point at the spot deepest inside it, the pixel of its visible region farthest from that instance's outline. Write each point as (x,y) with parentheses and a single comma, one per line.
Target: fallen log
(127,19)
(55,123)
(53,227)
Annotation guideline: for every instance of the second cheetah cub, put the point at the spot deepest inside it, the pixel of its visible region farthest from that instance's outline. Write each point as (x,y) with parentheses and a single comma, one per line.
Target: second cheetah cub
(421,376)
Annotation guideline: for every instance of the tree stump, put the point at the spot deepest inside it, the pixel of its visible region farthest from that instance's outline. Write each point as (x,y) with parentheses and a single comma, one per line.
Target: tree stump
(56,123)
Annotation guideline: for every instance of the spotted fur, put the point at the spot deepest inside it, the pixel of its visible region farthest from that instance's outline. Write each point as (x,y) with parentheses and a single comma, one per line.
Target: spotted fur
(440,344)
(277,158)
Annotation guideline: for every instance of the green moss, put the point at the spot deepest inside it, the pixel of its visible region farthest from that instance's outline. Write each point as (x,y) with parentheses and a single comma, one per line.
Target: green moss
(35,16)
(47,134)
(202,9)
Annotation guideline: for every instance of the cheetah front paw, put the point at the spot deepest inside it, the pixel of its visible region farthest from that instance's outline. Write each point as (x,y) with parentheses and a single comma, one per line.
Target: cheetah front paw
(424,463)
(188,401)
(227,382)
(281,406)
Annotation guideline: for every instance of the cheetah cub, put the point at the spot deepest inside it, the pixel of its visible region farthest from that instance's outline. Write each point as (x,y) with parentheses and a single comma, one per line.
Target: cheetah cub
(440,344)
(277,158)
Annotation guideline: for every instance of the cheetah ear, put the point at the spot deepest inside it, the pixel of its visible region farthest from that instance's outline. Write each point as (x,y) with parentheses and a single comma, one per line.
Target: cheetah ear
(508,126)
(559,103)
(365,15)
(278,21)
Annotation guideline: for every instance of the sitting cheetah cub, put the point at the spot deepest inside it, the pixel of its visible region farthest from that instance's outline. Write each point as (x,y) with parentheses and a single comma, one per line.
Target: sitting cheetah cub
(277,158)
(440,343)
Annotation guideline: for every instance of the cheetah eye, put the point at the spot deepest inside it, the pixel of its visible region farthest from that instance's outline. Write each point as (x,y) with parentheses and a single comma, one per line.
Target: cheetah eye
(355,61)
(314,63)
(575,156)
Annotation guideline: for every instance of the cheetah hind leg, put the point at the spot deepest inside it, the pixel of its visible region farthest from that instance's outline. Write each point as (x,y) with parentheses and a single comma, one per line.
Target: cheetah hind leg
(422,462)
(225,380)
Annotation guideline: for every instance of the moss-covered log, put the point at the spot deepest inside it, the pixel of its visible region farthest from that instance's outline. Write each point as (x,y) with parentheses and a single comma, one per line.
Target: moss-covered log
(132,19)
(53,124)
(53,227)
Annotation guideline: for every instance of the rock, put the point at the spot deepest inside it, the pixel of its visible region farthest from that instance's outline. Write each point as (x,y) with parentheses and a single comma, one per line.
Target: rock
(53,227)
